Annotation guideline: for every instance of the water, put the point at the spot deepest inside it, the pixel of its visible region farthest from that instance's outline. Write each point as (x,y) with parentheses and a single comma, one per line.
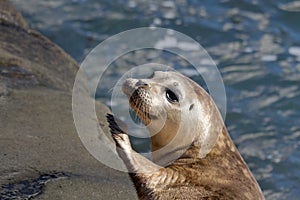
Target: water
(256,45)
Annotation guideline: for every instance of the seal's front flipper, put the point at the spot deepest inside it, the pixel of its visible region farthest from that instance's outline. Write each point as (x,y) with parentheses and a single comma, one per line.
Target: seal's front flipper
(134,162)
(116,124)
(120,137)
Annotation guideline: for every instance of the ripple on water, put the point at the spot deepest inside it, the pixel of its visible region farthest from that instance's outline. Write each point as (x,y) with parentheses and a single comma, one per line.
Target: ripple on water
(293,6)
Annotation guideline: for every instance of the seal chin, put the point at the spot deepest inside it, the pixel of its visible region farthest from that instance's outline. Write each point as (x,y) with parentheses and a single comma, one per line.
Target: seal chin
(135,117)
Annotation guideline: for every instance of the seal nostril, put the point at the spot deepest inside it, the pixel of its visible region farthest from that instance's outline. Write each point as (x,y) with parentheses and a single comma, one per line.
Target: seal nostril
(141,83)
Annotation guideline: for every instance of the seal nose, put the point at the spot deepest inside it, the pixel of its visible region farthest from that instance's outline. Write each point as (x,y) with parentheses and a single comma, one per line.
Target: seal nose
(141,83)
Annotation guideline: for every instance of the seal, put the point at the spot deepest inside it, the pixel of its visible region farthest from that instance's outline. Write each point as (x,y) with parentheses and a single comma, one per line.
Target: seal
(193,156)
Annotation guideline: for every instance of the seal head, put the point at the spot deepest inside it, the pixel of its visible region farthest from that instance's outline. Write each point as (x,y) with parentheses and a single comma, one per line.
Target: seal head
(173,108)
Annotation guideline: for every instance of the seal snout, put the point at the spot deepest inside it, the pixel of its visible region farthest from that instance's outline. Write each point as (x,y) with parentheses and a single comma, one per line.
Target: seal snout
(141,83)
(138,94)
(130,85)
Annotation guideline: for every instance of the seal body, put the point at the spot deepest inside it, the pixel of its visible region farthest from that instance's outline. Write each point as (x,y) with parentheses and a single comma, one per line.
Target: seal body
(193,156)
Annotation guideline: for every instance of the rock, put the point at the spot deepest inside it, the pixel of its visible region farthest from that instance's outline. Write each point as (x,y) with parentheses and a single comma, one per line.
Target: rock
(9,15)
(41,154)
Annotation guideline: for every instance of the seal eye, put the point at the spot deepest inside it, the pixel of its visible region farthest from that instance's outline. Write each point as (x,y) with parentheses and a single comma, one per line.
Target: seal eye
(171,96)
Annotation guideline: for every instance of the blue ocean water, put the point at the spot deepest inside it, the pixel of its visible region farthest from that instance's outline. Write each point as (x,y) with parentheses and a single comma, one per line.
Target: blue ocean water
(256,45)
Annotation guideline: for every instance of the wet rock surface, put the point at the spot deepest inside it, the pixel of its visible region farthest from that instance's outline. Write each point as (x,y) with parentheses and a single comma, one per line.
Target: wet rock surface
(41,154)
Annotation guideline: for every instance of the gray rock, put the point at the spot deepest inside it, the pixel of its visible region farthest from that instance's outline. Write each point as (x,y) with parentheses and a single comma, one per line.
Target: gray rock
(41,154)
